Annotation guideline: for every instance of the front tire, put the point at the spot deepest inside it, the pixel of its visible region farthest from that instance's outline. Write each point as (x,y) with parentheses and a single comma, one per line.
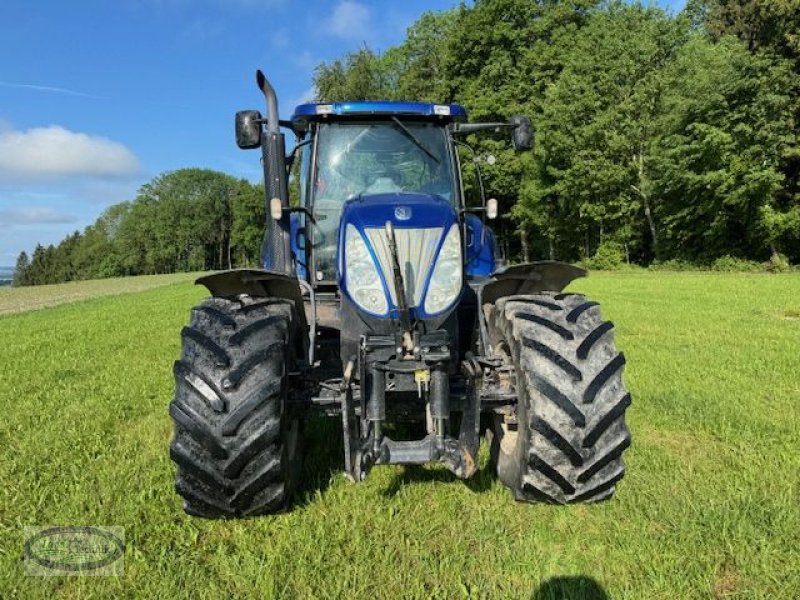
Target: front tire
(566,439)
(237,452)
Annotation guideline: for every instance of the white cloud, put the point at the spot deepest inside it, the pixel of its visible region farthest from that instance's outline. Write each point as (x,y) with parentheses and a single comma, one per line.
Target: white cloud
(305,60)
(252,4)
(33,216)
(202,31)
(48,152)
(349,19)
(224,4)
(306,96)
(280,39)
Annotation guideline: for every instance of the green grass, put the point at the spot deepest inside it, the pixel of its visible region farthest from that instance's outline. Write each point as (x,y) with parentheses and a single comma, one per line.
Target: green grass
(17,299)
(709,508)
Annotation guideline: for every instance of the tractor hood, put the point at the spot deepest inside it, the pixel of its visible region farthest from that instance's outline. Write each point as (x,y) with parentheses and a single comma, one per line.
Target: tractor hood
(404,210)
(429,252)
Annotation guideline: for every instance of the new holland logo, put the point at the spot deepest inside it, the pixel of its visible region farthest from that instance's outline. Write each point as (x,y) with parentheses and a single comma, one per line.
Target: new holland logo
(402,213)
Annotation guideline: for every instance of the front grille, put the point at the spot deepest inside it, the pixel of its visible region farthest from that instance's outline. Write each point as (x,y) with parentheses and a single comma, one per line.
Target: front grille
(416,249)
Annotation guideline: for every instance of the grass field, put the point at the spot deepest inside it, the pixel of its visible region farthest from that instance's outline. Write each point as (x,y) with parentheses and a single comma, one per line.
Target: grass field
(710,507)
(33,297)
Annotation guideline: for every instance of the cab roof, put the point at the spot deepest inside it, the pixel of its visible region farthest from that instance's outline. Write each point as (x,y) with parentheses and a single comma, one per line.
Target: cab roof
(320,111)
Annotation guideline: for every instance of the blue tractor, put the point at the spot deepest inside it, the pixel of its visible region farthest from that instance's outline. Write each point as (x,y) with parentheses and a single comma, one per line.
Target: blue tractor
(382,302)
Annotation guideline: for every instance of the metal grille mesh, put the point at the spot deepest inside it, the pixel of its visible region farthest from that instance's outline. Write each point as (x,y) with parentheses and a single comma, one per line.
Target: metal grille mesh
(415,251)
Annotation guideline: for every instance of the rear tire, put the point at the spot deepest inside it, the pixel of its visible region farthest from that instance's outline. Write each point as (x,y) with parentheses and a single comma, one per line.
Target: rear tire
(566,439)
(237,452)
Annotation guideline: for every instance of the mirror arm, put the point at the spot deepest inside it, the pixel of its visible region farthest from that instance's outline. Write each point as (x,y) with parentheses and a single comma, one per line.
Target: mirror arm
(480,186)
(477,169)
(302,209)
(281,123)
(289,160)
(465,128)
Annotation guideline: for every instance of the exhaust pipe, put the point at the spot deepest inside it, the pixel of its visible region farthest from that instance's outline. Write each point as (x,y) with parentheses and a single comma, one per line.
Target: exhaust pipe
(272,101)
(277,244)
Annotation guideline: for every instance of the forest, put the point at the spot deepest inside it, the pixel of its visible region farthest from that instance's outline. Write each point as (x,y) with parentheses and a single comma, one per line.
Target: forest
(661,139)
(186,220)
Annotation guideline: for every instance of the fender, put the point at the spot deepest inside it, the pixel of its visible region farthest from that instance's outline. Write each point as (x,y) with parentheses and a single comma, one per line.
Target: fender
(257,283)
(520,280)
(529,278)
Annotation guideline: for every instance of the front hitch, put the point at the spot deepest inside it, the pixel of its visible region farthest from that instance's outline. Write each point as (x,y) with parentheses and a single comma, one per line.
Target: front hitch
(455,456)
(382,364)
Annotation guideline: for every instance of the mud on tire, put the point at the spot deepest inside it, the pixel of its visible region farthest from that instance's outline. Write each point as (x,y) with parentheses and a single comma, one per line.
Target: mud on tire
(569,436)
(236,452)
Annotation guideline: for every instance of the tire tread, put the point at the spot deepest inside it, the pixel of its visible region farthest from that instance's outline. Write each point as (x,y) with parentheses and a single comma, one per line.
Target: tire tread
(572,400)
(230,454)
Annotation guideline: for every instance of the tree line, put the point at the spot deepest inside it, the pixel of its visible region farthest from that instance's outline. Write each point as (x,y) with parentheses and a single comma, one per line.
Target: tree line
(187,220)
(659,137)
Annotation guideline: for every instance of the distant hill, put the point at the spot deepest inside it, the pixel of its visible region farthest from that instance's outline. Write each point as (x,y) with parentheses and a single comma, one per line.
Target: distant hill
(6,275)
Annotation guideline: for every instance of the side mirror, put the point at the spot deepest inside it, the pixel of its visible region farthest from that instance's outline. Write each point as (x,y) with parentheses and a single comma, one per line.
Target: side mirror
(491,209)
(248,129)
(521,133)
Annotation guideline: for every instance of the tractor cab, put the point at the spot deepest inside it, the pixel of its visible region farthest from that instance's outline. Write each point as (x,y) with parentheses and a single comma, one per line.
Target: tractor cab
(357,150)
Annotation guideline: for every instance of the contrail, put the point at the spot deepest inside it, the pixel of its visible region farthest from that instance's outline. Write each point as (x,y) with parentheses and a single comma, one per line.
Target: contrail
(49,89)
(57,90)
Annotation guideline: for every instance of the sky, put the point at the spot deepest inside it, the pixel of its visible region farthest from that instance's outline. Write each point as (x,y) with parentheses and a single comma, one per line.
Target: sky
(99,97)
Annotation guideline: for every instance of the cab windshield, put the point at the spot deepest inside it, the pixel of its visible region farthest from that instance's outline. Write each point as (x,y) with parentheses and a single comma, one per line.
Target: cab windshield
(360,158)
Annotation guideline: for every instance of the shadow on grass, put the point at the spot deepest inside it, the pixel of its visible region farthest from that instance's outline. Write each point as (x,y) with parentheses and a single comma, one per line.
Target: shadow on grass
(570,588)
(323,460)
(481,482)
(411,474)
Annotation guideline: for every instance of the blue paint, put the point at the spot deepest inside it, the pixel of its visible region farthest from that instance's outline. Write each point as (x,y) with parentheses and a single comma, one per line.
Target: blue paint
(373,211)
(298,244)
(308,112)
(480,248)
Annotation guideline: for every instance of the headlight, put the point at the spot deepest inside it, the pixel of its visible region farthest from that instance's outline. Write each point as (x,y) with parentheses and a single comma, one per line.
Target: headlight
(446,278)
(361,275)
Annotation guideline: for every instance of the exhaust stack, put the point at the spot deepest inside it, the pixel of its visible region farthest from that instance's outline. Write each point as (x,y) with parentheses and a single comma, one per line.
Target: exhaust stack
(277,244)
